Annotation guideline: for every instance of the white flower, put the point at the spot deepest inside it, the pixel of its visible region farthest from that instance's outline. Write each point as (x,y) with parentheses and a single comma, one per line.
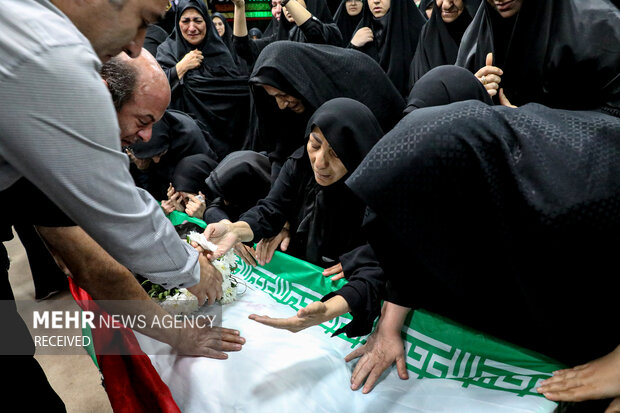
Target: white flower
(225,264)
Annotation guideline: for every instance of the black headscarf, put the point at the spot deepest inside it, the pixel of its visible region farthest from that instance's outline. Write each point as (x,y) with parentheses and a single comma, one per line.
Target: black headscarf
(255,31)
(315,74)
(240,176)
(425,4)
(439,42)
(346,23)
(395,39)
(325,221)
(561,53)
(191,172)
(215,93)
(155,35)
(179,136)
(333,216)
(228,33)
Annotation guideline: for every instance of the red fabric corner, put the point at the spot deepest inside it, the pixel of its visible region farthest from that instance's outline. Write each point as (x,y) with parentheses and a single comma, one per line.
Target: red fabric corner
(132,383)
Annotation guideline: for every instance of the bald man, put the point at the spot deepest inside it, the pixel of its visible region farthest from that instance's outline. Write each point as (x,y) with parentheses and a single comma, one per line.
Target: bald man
(140,93)
(61,165)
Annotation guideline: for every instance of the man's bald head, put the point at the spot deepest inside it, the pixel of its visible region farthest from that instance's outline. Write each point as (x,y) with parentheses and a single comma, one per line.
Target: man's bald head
(140,92)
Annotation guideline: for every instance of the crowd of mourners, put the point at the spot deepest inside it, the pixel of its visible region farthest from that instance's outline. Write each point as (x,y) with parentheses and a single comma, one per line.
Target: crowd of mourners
(368,135)
(461,156)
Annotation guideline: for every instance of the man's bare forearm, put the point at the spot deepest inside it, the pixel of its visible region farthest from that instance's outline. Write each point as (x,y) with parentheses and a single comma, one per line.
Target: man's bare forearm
(94,270)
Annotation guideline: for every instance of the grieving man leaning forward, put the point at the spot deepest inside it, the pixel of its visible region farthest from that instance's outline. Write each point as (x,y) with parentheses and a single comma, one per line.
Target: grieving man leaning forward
(60,142)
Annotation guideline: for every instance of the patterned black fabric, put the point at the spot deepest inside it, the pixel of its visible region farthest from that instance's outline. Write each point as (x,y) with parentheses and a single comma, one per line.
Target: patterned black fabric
(560,53)
(314,74)
(511,218)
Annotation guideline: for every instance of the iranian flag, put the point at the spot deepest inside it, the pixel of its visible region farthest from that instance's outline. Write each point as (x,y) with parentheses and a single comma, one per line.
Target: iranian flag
(451,368)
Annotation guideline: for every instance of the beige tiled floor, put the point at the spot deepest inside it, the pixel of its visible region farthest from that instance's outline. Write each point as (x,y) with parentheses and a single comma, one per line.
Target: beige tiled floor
(74,377)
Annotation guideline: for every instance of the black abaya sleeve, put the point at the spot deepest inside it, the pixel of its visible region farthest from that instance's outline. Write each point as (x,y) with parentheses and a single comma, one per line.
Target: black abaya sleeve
(363,292)
(271,213)
(318,32)
(215,212)
(246,49)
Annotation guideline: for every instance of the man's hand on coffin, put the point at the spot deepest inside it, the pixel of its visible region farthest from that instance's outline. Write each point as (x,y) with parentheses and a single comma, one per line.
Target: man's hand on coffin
(208,341)
(210,285)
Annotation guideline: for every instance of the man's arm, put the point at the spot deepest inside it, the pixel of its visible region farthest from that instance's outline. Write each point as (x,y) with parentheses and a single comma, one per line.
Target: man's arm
(65,140)
(105,279)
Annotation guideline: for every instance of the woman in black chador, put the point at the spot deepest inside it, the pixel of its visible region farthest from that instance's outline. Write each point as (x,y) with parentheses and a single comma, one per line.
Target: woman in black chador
(226,33)
(511,215)
(291,80)
(324,217)
(304,21)
(389,33)
(236,185)
(441,36)
(205,80)
(348,16)
(175,136)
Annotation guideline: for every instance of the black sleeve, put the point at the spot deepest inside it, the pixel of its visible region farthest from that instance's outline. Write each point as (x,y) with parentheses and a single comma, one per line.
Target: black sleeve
(38,210)
(271,213)
(246,49)
(363,292)
(318,32)
(215,212)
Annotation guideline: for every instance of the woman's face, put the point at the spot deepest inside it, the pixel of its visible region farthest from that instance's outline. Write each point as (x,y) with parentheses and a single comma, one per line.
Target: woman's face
(285,101)
(450,9)
(354,7)
(219,26)
(379,8)
(506,8)
(429,10)
(288,15)
(328,168)
(193,26)
(276,8)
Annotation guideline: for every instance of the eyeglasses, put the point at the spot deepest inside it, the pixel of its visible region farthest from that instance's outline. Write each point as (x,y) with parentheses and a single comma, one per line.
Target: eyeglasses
(354,1)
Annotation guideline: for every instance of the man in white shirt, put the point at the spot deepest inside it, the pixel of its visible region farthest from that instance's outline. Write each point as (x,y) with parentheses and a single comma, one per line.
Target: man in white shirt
(58,130)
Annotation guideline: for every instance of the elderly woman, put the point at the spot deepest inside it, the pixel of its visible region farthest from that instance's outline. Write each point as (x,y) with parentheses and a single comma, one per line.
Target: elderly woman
(389,33)
(309,194)
(324,218)
(204,78)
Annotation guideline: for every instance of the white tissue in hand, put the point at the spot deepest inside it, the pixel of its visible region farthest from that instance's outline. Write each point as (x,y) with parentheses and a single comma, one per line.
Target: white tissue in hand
(201,240)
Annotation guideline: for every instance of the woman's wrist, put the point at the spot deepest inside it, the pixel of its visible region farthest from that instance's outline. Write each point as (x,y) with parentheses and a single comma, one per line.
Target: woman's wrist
(242,231)
(180,68)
